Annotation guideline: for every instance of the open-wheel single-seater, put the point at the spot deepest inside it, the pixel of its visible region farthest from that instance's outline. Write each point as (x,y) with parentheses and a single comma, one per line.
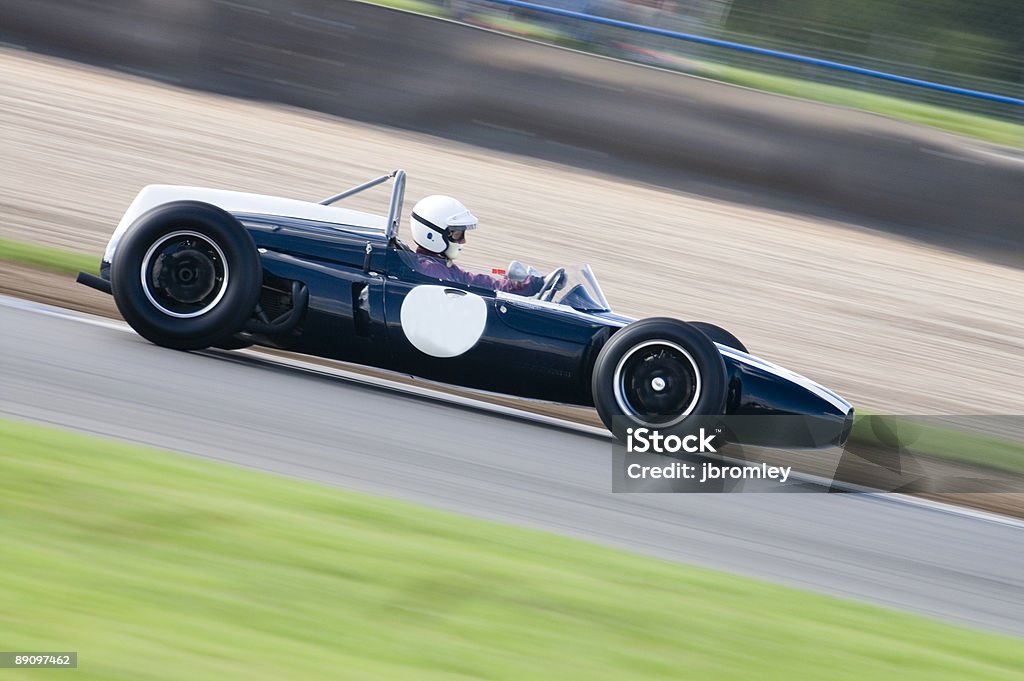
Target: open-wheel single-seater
(192,268)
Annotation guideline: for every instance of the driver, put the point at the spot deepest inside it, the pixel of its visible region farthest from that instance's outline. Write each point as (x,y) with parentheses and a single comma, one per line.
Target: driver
(439,225)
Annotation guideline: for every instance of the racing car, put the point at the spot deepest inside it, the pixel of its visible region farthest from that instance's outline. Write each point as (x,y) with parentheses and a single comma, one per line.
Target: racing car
(192,268)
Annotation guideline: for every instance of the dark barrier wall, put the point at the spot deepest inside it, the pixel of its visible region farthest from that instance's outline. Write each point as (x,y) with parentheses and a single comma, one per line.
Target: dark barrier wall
(393,68)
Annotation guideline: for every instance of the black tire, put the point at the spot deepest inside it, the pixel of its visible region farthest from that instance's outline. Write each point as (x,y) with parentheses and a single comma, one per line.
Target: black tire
(693,380)
(239,341)
(720,335)
(186,275)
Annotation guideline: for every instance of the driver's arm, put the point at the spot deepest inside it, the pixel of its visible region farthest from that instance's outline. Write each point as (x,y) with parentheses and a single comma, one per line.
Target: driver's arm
(525,287)
(522,280)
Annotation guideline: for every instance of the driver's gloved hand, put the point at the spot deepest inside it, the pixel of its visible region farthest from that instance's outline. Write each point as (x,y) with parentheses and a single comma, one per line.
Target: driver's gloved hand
(516,271)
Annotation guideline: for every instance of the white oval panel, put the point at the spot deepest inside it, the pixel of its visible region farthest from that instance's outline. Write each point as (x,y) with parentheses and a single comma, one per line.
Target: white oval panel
(441,321)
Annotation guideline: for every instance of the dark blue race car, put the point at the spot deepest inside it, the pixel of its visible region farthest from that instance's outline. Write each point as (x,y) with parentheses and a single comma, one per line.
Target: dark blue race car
(192,268)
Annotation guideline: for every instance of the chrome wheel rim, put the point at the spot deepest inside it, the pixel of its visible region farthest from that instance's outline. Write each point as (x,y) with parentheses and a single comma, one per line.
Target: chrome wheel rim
(657,383)
(184,274)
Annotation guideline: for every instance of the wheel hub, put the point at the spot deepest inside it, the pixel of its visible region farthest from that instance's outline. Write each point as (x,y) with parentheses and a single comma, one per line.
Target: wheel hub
(658,382)
(184,274)
(187,276)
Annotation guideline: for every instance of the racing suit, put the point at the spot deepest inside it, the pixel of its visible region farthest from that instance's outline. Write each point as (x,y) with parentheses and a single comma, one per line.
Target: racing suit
(436,265)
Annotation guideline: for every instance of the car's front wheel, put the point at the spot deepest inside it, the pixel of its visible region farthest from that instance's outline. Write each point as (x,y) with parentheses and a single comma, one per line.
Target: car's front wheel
(719,335)
(658,373)
(186,275)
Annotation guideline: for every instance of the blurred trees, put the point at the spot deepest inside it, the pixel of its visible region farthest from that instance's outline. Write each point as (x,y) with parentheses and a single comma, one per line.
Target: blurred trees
(983,38)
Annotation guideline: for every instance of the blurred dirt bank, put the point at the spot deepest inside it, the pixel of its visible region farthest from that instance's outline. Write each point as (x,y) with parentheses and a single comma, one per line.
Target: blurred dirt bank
(893,325)
(412,72)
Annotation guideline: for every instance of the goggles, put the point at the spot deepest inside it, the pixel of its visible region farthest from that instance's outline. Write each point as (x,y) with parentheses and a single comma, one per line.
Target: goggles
(453,234)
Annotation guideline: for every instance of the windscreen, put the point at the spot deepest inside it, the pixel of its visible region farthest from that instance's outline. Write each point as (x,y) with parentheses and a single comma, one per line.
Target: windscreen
(581,291)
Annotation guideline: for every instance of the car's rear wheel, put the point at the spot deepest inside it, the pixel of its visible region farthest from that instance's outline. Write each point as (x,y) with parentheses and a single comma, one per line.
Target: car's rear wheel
(186,275)
(658,373)
(238,341)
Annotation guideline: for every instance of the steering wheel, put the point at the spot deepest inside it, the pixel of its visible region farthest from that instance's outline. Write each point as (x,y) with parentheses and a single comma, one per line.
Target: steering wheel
(553,283)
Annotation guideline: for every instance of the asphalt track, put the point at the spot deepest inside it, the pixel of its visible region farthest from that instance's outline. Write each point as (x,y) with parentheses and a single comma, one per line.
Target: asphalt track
(239,408)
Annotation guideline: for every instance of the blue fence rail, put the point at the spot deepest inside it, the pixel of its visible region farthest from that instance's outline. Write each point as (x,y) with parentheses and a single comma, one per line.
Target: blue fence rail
(765,52)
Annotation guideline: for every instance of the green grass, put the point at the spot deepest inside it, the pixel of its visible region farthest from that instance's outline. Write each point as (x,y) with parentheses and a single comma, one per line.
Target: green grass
(159,566)
(960,122)
(943,443)
(420,6)
(48,258)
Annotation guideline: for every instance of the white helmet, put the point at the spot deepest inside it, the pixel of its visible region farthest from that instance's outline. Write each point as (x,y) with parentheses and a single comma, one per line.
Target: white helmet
(439,224)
